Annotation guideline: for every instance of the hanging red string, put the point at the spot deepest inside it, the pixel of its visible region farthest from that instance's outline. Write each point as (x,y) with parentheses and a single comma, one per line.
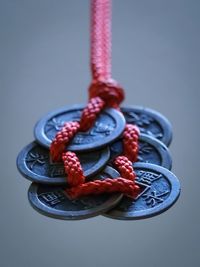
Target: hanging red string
(100,39)
(102,84)
(103,91)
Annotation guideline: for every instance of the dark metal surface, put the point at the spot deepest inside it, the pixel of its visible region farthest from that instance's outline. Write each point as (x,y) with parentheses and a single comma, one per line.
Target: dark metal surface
(108,127)
(150,122)
(151,150)
(34,163)
(159,191)
(53,201)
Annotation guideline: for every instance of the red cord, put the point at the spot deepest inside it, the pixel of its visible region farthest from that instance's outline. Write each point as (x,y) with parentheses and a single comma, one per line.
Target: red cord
(108,185)
(73,169)
(90,113)
(100,39)
(103,91)
(62,139)
(102,84)
(130,142)
(125,168)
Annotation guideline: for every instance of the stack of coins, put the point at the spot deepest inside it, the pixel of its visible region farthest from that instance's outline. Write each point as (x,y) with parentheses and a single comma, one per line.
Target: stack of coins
(96,149)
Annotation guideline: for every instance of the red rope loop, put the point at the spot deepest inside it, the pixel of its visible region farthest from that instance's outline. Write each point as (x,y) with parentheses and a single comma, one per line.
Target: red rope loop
(125,168)
(62,139)
(73,169)
(108,185)
(90,113)
(130,142)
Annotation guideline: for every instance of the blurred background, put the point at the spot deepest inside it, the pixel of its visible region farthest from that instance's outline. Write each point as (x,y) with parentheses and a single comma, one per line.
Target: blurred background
(44,64)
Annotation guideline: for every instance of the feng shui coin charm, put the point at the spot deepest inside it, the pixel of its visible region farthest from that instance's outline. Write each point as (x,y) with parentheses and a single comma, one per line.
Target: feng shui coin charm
(34,163)
(53,201)
(159,191)
(150,122)
(108,127)
(74,145)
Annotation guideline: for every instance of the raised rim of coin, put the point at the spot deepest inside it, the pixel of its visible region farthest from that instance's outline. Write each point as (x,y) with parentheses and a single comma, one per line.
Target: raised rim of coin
(150,212)
(162,150)
(35,202)
(161,119)
(41,137)
(166,159)
(32,176)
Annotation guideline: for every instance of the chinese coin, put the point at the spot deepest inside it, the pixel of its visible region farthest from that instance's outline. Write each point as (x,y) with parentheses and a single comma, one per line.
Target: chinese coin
(34,162)
(53,201)
(159,191)
(107,128)
(151,150)
(150,122)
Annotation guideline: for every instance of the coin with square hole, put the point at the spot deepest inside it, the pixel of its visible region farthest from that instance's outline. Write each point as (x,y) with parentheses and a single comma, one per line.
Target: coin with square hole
(159,190)
(34,163)
(107,128)
(53,201)
(151,150)
(150,122)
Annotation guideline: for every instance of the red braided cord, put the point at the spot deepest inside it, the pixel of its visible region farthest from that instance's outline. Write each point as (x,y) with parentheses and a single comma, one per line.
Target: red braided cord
(101,39)
(124,185)
(75,174)
(130,152)
(107,13)
(125,168)
(130,142)
(66,134)
(103,85)
(104,186)
(103,91)
(62,139)
(90,113)
(73,169)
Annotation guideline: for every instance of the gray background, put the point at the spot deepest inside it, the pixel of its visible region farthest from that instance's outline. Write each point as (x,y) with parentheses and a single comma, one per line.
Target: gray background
(44,51)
